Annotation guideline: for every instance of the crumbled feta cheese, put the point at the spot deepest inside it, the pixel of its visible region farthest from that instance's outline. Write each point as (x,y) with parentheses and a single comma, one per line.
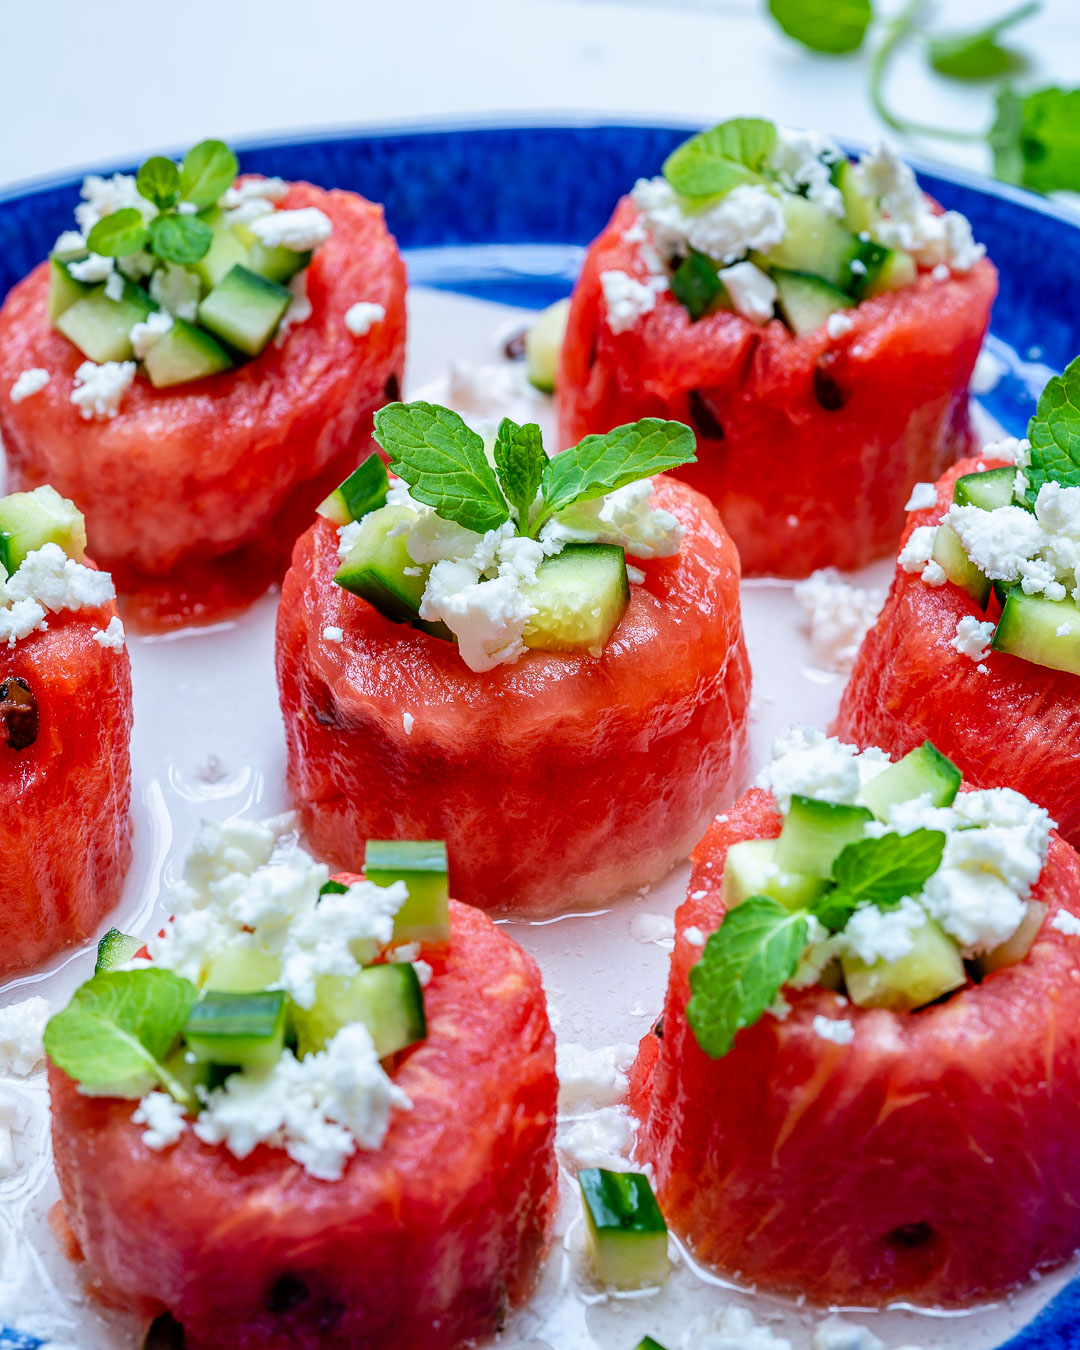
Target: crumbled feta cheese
(592,1078)
(135,266)
(149,331)
(840,616)
(624,517)
(933,574)
(987,374)
(751,291)
(363,316)
(48,580)
(102,196)
(919,548)
(299,309)
(731,1329)
(923,497)
(694,936)
(911,223)
(301,230)
(69,241)
(804,159)
(634,575)
(99,389)
(1065,921)
(175,289)
(333,634)
(838,1030)
(164,1117)
(1012,450)
(253,189)
(111,636)
(246,212)
(807,762)
(748,217)
(836,1334)
(941,272)
(30,382)
(602,1139)
(92,270)
(22,1026)
(114,287)
(408,722)
(626,300)
(658,928)
(874,934)
(1040,549)
(838,325)
(972,637)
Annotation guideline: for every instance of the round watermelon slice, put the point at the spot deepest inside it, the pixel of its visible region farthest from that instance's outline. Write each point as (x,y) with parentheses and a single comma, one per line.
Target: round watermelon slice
(193,495)
(422,1245)
(556,781)
(1001,719)
(65,774)
(929,1160)
(808,446)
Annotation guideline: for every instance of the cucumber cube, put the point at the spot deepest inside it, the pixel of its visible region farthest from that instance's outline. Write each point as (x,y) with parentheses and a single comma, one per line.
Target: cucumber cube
(807,301)
(988,490)
(543,346)
(242,970)
(580,596)
(363,491)
(932,968)
(958,567)
(276,264)
(923,771)
(814,834)
(183,354)
(892,271)
(814,241)
(30,520)
(244,309)
(387,999)
(1045,632)
(243,1029)
(115,949)
(750,869)
(64,290)
(378,566)
(625,1232)
(860,209)
(225,252)
(422,866)
(100,327)
(1015,948)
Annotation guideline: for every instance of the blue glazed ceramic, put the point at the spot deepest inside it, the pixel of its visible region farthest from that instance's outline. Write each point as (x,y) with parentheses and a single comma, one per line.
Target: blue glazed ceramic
(504,213)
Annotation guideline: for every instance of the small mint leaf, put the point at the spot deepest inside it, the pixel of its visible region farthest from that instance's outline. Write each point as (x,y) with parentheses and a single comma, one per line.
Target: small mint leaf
(180,239)
(520,462)
(717,160)
(1036,139)
(209,168)
(443,462)
(158,181)
(830,26)
(978,55)
(1054,433)
(117,234)
(879,872)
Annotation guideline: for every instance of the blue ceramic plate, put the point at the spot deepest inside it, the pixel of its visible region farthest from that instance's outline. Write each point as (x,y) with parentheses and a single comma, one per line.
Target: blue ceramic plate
(504,213)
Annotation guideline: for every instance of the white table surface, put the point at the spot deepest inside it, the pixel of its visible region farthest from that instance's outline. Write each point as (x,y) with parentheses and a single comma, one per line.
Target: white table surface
(83,83)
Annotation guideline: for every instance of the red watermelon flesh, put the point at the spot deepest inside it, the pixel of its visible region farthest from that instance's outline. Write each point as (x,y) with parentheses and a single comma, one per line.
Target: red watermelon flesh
(65,837)
(1012,722)
(931,1160)
(556,781)
(193,495)
(809,446)
(422,1245)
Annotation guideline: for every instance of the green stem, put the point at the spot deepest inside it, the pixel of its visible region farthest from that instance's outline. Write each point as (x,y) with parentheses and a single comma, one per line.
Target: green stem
(897,32)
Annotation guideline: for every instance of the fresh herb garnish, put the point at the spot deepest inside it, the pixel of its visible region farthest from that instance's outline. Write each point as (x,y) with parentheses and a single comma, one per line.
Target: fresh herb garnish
(520,462)
(1054,433)
(721,158)
(695,285)
(879,872)
(180,239)
(117,234)
(978,55)
(118,1029)
(209,170)
(159,182)
(830,26)
(1036,139)
(333,887)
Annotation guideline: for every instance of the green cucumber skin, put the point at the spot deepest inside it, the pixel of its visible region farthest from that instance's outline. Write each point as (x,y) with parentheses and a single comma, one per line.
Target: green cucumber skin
(815,832)
(244,309)
(695,284)
(569,589)
(422,866)
(923,770)
(806,301)
(28,524)
(365,488)
(100,327)
(988,490)
(620,1202)
(116,949)
(958,567)
(243,1029)
(183,354)
(1028,629)
(64,290)
(396,857)
(387,999)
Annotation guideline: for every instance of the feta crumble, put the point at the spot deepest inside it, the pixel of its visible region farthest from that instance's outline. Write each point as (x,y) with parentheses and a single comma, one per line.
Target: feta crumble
(22,1026)
(174,289)
(972,637)
(407,722)
(30,382)
(911,222)
(840,616)
(803,160)
(731,1329)
(751,291)
(1065,921)
(99,389)
(838,1030)
(601,1139)
(874,934)
(807,762)
(363,316)
(299,309)
(836,1334)
(627,300)
(919,549)
(748,217)
(333,634)
(253,189)
(114,287)
(48,581)
(301,230)
(589,1079)
(164,1118)
(92,270)
(111,636)
(657,928)
(923,497)
(147,332)
(838,325)
(102,196)
(694,936)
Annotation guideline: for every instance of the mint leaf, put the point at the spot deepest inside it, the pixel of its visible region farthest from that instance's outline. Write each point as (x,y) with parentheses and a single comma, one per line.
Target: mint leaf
(746,963)
(119,233)
(333,887)
(879,872)
(209,168)
(1036,139)
(1054,433)
(114,1035)
(979,55)
(520,462)
(695,284)
(159,182)
(443,462)
(830,26)
(600,464)
(721,158)
(180,239)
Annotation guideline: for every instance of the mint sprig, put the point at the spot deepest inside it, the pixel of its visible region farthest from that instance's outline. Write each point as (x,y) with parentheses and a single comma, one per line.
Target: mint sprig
(721,158)
(117,234)
(118,1029)
(209,169)
(978,55)
(158,180)
(180,239)
(879,872)
(834,27)
(520,462)
(1054,433)
(1036,139)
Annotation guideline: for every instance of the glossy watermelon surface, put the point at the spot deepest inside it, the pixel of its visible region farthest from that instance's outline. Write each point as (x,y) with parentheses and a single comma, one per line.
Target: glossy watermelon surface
(930,1160)
(65,835)
(193,495)
(809,446)
(1002,719)
(421,1245)
(557,781)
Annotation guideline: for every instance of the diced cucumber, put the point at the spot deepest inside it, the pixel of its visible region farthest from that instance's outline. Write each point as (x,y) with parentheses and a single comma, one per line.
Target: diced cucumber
(225,251)
(183,354)
(923,771)
(363,491)
(64,290)
(580,596)
(375,566)
(116,949)
(276,264)
(933,967)
(625,1232)
(1013,949)
(100,327)
(1002,589)
(988,490)
(891,271)
(188,1075)
(387,999)
(242,970)
(860,209)
(814,241)
(1045,632)
(244,309)
(806,301)
(543,346)
(958,567)
(695,284)
(814,833)
(243,1029)
(422,866)
(750,869)
(30,520)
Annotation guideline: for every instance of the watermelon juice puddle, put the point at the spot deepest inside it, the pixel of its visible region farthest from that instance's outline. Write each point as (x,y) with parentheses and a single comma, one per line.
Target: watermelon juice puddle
(208,744)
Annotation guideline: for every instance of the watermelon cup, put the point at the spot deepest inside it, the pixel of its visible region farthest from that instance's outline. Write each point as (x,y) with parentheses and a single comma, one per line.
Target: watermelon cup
(194,493)
(926,1161)
(557,781)
(424,1244)
(809,441)
(1000,718)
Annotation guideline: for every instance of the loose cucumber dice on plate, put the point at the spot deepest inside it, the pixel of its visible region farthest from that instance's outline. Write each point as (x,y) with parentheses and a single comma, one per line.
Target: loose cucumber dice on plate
(958,567)
(422,866)
(183,354)
(988,490)
(243,1029)
(277,264)
(814,833)
(375,566)
(363,491)
(64,290)
(814,242)
(750,869)
(242,970)
(100,327)
(1013,949)
(932,968)
(695,284)
(387,999)
(543,346)
(30,520)
(580,596)
(923,771)
(244,309)
(1045,632)
(806,301)
(625,1232)
(115,949)
(226,250)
